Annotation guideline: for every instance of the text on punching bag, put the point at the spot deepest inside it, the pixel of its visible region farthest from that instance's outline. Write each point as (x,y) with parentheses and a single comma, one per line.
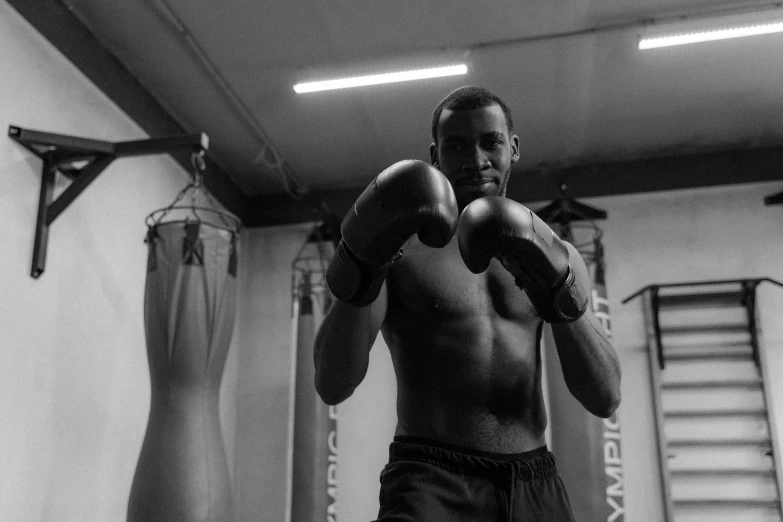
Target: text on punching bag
(614,469)
(331,472)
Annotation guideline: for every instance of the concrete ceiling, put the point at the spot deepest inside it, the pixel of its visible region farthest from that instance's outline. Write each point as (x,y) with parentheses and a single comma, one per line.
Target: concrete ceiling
(590,108)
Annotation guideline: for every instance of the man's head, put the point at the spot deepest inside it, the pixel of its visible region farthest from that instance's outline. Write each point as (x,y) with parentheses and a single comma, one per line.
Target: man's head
(474,144)
(467,98)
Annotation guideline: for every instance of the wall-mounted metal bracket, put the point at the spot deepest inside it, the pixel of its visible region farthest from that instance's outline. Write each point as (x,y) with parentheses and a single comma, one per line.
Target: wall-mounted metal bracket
(774,199)
(747,298)
(81,160)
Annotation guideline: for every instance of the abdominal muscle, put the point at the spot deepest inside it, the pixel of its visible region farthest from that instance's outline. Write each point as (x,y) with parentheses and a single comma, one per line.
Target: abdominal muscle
(466,355)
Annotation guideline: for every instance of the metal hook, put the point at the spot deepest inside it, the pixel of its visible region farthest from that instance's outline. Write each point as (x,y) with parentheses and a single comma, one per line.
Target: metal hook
(199,166)
(197,159)
(229,220)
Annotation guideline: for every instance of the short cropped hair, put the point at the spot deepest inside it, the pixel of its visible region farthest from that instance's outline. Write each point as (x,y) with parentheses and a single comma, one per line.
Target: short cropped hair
(469,98)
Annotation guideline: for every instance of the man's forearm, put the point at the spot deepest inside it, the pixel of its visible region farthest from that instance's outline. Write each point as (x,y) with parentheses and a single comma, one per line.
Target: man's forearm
(341,351)
(589,363)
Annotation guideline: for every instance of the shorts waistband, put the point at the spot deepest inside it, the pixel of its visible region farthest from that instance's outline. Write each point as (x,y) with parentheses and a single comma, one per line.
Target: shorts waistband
(529,465)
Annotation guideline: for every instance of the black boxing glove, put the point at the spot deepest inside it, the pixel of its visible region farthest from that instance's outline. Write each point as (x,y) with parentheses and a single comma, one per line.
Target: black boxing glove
(407,198)
(539,261)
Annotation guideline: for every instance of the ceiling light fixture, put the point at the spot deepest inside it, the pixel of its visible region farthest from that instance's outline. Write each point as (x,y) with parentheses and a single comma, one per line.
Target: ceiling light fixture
(377,79)
(708,36)
(712,29)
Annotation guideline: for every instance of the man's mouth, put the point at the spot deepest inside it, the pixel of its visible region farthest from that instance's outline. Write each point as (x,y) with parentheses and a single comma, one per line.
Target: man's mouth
(477,183)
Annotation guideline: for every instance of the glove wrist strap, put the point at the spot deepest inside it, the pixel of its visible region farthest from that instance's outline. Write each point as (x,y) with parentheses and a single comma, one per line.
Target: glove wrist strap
(352,280)
(563,302)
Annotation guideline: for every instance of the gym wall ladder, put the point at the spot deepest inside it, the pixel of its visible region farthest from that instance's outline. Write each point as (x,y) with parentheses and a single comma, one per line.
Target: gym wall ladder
(716,449)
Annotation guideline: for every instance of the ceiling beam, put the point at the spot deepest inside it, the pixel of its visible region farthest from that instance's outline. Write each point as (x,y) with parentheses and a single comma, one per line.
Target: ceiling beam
(58,24)
(607,179)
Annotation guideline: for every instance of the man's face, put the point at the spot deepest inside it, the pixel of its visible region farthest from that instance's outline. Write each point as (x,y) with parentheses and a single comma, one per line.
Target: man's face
(475,152)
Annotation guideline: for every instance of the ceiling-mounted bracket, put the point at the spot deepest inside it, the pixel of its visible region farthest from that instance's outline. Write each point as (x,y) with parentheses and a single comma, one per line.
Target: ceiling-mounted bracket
(564,210)
(81,160)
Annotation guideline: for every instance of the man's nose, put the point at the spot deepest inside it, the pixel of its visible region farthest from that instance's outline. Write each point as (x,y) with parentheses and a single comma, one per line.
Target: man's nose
(475,159)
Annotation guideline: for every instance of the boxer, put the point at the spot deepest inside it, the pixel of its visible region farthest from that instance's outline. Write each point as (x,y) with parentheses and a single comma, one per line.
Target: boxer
(460,280)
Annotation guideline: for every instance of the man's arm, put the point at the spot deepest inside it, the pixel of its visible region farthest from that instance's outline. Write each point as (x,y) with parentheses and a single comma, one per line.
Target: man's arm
(410,197)
(342,347)
(590,365)
(555,279)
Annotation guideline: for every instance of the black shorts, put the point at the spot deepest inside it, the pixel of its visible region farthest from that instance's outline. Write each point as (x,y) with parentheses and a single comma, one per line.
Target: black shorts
(427,480)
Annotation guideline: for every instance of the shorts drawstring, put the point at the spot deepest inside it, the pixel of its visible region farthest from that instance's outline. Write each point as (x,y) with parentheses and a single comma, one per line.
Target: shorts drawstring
(515,468)
(510,508)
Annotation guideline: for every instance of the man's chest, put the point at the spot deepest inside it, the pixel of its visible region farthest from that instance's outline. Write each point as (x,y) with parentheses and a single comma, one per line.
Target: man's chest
(436,282)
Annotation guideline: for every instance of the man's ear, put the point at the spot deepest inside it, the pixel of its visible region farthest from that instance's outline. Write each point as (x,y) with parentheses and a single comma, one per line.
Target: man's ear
(434,155)
(514,148)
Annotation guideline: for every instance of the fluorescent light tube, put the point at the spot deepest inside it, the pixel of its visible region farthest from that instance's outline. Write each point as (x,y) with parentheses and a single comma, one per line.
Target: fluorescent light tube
(377,79)
(708,36)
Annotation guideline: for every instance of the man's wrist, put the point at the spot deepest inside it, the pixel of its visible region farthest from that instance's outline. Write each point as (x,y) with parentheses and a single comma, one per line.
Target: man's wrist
(363,282)
(563,302)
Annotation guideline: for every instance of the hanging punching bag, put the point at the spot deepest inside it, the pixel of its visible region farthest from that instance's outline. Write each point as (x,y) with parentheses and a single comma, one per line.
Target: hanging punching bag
(314,487)
(587,447)
(190,302)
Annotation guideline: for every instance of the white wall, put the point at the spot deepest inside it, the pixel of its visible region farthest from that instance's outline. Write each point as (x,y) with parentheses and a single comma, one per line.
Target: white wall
(74,384)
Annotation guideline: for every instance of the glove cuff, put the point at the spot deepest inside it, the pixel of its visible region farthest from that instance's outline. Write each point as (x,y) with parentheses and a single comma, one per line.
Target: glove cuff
(563,302)
(352,280)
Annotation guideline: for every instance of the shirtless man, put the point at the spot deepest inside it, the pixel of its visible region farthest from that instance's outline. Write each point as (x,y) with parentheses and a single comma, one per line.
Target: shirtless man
(460,281)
